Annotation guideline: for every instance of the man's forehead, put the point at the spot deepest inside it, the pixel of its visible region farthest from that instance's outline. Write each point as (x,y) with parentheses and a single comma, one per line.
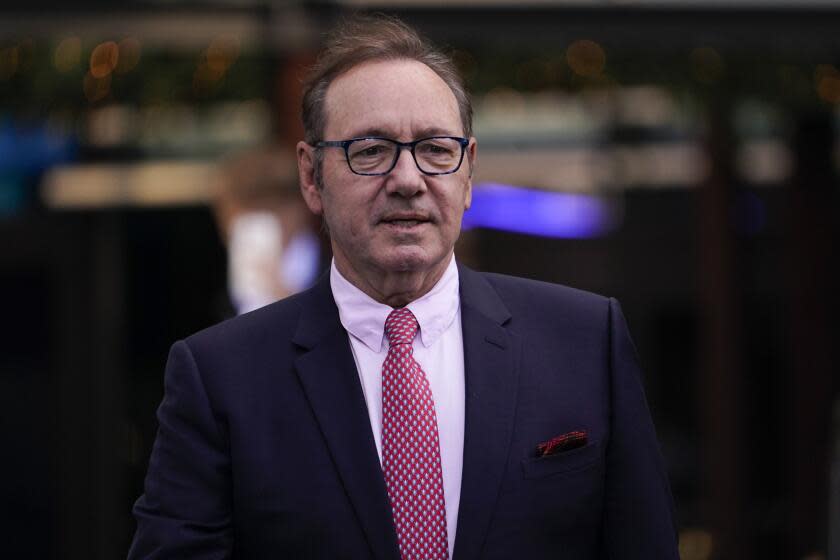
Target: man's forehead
(391,98)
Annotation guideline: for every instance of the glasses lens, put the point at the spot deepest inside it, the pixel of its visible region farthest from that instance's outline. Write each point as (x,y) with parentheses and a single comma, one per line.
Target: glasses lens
(371,155)
(438,155)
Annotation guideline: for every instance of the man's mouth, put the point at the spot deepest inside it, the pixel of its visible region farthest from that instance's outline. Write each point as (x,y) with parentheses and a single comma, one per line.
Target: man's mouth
(405,220)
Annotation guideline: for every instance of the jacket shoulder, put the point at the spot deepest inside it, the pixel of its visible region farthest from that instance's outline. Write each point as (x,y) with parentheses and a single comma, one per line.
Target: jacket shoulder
(518,292)
(534,304)
(264,326)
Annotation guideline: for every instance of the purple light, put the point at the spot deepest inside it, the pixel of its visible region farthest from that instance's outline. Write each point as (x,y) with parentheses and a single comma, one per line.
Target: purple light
(543,213)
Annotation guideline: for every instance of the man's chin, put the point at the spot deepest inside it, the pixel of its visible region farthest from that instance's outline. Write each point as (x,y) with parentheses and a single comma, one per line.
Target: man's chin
(406,259)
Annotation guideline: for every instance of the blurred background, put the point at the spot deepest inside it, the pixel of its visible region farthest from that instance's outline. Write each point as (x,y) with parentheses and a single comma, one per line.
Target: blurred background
(680,156)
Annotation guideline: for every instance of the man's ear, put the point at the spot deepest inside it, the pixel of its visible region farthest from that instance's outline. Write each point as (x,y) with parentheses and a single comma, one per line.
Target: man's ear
(306,175)
(472,154)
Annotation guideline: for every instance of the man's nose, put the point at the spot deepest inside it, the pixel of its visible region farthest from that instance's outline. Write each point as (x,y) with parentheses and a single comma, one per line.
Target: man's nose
(405,178)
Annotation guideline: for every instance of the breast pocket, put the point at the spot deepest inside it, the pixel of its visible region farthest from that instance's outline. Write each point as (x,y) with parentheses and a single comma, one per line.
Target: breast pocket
(565,463)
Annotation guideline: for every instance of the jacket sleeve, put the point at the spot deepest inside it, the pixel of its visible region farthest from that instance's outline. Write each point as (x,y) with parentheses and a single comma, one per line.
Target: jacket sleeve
(185,511)
(639,521)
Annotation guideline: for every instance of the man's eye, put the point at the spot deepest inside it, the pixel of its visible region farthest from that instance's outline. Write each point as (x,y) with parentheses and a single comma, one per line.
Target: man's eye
(435,149)
(369,150)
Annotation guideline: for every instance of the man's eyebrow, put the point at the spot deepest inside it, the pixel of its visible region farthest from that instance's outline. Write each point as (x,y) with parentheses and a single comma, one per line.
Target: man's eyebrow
(373,132)
(435,131)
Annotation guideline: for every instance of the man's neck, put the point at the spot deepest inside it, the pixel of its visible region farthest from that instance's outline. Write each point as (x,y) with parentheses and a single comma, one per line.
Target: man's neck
(396,289)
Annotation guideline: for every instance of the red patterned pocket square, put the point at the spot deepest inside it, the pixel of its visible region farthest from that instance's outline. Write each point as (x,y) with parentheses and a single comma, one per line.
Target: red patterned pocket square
(563,442)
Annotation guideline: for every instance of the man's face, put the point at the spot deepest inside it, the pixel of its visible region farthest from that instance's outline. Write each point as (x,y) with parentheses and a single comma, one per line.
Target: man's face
(404,221)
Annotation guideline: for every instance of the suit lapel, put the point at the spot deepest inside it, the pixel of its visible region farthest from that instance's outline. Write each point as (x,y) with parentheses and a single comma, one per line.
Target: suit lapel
(491,355)
(329,378)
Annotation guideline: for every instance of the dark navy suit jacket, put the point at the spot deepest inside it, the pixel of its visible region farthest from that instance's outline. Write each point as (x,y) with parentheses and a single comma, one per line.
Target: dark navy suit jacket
(265,448)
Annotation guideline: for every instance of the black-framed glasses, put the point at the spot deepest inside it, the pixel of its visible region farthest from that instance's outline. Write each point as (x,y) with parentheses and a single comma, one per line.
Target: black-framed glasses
(435,155)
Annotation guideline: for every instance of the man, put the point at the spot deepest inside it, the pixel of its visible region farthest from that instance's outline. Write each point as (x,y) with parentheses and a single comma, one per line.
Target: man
(404,407)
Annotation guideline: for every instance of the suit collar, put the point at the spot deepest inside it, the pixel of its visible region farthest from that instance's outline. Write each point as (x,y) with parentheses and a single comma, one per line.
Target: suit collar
(476,292)
(319,315)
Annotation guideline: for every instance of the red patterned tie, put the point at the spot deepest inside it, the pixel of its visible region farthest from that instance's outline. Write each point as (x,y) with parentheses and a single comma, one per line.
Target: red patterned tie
(410,447)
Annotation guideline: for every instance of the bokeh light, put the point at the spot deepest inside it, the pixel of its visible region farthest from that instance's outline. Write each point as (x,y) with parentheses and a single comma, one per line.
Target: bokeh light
(222,53)
(827,82)
(67,54)
(214,64)
(586,58)
(96,88)
(104,59)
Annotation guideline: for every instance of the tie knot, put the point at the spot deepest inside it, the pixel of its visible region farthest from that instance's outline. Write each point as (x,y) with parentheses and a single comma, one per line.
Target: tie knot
(401,326)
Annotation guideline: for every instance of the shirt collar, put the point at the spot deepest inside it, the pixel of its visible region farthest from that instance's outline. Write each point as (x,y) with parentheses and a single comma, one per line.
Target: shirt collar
(364,317)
